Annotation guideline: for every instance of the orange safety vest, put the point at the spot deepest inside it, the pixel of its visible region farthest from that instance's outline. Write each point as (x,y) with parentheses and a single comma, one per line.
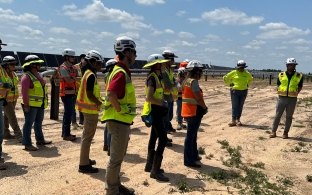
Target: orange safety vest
(68,88)
(189,103)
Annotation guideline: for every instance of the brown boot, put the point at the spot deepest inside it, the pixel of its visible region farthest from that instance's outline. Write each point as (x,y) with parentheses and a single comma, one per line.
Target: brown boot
(285,135)
(232,124)
(273,135)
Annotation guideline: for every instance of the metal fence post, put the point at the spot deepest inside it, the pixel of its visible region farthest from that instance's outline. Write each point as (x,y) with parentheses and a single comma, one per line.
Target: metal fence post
(55,90)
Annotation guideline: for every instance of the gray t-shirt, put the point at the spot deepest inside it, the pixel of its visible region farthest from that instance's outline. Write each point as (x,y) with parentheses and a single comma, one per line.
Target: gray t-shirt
(195,86)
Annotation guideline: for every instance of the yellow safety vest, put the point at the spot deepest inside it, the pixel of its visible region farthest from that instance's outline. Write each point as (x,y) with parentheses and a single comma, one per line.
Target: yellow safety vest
(158,94)
(37,95)
(238,80)
(128,100)
(288,88)
(3,79)
(83,103)
(13,94)
(174,90)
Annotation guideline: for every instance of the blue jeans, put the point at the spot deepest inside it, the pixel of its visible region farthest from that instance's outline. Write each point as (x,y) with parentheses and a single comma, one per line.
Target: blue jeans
(238,99)
(33,116)
(107,136)
(179,108)
(69,109)
(74,116)
(1,126)
(190,144)
(169,117)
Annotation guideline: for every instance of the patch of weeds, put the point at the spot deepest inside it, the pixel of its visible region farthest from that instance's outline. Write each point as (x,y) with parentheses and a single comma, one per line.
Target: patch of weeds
(302,144)
(224,176)
(259,165)
(145,183)
(301,147)
(309,178)
(262,138)
(183,187)
(210,156)
(203,176)
(296,149)
(285,181)
(299,126)
(224,143)
(201,151)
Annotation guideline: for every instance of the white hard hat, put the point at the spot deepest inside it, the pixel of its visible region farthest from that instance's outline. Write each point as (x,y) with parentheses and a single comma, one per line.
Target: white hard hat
(291,61)
(169,54)
(93,54)
(241,63)
(123,43)
(8,59)
(32,59)
(154,59)
(194,64)
(181,70)
(110,63)
(68,52)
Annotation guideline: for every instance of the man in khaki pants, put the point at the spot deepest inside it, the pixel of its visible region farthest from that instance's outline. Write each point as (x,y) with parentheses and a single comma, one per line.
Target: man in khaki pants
(89,103)
(120,110)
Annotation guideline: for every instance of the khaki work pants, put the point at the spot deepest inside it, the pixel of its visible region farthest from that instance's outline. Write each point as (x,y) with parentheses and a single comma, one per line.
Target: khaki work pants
(10,119)
(118,147)
(89,128)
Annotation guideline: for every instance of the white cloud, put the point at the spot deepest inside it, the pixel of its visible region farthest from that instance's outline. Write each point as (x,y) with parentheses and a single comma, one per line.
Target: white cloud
(133,35)
(254,44)
(28,31)
(8,15)
(280,31)
(299,42)
(245,33)
(61,30)
(105,34)
(98,12)
(51,41)
(194,20)
(232,53)
(6,1)
(281,47)
(181,13)
(209,38)
(186,35)
(227,16)
(166,31)
(188,44)
(150,2)
(211,50)
(300,49)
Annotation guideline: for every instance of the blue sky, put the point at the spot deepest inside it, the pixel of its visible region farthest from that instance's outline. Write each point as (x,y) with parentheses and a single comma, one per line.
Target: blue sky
(263,33)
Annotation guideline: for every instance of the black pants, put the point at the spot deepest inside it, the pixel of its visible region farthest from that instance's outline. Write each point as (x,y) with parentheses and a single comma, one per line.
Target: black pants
(158,130)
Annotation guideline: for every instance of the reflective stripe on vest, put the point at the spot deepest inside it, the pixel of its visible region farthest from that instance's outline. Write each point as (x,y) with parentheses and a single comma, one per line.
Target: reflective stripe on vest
(38,94)
(128,100)
(158,94)
(189,103)
(288,88)
(83,103)
(68,88)
(13,94)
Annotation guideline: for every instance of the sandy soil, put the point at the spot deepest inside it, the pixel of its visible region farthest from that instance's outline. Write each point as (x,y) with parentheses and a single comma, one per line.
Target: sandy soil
(54,168)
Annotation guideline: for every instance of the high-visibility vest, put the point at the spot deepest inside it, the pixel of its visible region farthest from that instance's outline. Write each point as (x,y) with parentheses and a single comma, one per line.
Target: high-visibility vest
(129,100)
(238,80)
(83,103)
(158,94)
(79,75)
(288,88)
(68,88)
(38,95)
(173,91)
(3,79)
(189,103)
(13,94)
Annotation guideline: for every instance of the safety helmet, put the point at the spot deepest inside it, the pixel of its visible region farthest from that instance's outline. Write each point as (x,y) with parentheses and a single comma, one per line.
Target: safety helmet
(181,70)
(8,59)
(154,59)
(168,54)
(93,54)
(241,63)
(32,59)
(187,60)
(110,63)
(123,43)
(291,61)
(194,64)
(68,52)
(183,64)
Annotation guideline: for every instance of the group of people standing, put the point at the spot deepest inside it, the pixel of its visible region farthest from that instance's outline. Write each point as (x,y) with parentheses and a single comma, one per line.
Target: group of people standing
(80,90)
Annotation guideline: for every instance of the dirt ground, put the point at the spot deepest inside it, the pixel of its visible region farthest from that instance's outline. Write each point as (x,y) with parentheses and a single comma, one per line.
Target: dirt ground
(54,168)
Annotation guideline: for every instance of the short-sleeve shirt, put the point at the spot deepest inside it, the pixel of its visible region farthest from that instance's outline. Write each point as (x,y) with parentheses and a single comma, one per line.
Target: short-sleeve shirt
(118,82)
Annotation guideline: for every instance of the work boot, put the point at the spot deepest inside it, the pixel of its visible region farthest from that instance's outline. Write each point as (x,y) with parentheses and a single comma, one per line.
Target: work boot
(124,190)
(232,124)
(69,138)
(155,172)
(285,135)
(87,169)
(44,142)
(105,147)
(239,123)
(92,162)
(273,135)
(8,135)
(31,148)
